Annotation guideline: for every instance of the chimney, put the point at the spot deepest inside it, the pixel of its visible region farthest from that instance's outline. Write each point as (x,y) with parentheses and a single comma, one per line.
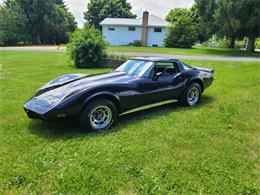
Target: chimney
(144,28)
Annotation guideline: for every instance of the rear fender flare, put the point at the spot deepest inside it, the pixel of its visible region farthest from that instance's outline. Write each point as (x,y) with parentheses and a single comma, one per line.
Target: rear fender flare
(195,80)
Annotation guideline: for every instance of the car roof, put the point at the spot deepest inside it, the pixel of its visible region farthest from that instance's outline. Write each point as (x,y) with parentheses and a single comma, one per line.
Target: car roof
(156,59)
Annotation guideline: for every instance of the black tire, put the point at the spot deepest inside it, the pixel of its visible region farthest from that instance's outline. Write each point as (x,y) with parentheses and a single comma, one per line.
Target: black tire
(184,99)
(93,109)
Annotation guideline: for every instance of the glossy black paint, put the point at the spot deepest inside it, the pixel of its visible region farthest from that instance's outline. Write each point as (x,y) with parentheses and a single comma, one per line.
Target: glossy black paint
(67,95)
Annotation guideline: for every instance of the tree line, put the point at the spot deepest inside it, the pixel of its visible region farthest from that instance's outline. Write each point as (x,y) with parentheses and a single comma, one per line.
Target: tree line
(50,22)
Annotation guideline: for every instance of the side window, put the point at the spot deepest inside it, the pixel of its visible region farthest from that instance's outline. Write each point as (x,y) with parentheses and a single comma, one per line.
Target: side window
(158,30)
(131,28)
(167,68)
(111,28)
(164,64)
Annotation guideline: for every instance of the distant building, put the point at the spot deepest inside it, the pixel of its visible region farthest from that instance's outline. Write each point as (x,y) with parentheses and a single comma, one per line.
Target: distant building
(150,30)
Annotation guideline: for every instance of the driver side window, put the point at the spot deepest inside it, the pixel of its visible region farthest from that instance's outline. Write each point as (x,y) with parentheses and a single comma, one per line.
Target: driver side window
(166,68)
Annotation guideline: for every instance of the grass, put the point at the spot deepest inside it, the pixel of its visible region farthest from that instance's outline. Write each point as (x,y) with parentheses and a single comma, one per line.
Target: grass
(210,149)
(197,51)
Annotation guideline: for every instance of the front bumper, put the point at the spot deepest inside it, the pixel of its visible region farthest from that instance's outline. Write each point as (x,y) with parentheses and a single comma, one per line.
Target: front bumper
(38,109)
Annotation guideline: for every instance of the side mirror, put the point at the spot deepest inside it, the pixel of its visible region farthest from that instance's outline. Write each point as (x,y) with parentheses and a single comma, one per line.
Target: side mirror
(157,75)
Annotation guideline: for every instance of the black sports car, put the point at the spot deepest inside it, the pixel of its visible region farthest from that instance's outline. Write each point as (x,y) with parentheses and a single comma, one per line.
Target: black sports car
(97,100)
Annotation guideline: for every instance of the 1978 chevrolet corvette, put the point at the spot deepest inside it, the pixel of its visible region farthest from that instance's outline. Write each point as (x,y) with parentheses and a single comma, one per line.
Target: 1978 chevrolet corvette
(97,100)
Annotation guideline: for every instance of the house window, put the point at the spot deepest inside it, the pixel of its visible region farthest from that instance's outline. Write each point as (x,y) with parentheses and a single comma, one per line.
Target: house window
(110,28)
(131,28)
(158,30)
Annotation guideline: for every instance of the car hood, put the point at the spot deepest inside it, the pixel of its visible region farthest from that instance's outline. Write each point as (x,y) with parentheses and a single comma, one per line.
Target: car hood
(54,96)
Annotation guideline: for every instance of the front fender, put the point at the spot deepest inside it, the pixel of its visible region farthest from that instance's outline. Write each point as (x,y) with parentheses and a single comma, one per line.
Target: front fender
(99,94)
(114,98)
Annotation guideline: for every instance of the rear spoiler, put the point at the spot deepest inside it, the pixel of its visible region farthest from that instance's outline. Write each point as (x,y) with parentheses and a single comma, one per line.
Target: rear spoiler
(205,69)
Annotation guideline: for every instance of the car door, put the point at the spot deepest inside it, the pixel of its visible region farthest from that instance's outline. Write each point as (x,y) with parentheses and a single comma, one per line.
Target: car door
(166,87)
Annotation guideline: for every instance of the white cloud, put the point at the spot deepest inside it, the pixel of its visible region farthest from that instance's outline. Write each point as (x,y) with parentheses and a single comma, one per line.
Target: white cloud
(155,7)
(158,7)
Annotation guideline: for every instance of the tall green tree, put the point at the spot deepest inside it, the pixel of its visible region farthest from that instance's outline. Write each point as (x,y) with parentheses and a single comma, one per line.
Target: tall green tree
(48,20)
(98,10)
(205,10)
(227,20)
(176,13)
(202,31)
(12,24)
(232,19)
(193,15)
(182,33)
(45,22)
(249,15)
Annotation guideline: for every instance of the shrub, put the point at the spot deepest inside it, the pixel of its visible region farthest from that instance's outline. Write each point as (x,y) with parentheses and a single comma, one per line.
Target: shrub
(181,34)
(86,47)
(136,43)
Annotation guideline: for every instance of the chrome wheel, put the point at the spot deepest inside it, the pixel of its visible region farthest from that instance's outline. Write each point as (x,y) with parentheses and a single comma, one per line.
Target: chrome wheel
(193,96)
(100,117)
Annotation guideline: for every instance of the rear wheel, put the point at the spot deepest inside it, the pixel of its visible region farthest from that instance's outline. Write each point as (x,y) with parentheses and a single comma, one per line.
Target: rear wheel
(191,96)
(99,115)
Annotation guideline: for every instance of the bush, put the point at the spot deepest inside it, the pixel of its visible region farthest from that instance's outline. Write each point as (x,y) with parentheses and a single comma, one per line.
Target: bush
(86,47)
(182,34)
(136,43)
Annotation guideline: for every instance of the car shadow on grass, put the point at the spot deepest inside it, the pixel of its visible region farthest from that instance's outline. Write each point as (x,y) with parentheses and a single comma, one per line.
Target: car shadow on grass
(71,129)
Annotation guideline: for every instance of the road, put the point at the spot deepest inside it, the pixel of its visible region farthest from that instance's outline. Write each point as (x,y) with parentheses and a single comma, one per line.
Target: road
(133,54)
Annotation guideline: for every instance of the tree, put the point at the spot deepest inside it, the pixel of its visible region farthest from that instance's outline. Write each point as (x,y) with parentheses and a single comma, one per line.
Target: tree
(227,21)
(45,22)
(203,33)
(86,47)
(205,10)
(13,25)
(181,34)
(44,17)
(176,13)
(192,13)
(250,20)
(98,10)
(232,19)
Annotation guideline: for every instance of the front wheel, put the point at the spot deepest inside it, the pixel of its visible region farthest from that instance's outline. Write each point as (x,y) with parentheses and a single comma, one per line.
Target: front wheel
(191,95)
(99,115)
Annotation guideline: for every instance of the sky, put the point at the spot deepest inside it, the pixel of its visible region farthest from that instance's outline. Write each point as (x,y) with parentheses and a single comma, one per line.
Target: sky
(156,7)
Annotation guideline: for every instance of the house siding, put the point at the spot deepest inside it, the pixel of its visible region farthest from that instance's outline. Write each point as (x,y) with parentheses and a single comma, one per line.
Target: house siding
(121,35)
(156,38)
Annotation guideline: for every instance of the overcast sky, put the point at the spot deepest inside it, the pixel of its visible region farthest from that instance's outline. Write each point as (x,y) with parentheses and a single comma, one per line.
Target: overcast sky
(155,7)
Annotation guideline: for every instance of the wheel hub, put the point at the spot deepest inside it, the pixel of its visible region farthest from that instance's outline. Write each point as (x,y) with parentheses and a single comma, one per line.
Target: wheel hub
(100,117)
(193,96)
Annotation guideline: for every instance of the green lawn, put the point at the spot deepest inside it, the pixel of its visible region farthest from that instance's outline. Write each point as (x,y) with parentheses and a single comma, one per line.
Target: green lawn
(210,149)
(197,51)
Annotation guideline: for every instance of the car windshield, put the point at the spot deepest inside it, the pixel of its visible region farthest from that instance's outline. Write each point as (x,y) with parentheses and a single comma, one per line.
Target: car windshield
(136,68)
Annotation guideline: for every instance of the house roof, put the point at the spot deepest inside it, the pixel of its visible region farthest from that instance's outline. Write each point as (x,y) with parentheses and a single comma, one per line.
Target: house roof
(152,21)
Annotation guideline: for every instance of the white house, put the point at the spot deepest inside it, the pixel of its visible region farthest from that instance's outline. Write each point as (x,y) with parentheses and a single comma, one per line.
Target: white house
(150,30)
